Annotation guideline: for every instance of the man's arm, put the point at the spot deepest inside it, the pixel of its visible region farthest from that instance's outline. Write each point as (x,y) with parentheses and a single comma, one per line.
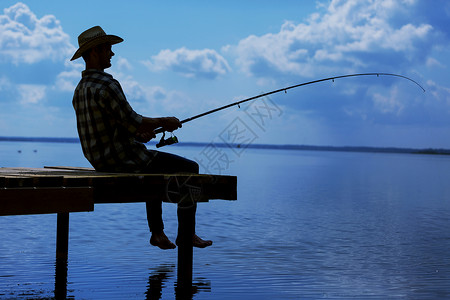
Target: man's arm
(145,132)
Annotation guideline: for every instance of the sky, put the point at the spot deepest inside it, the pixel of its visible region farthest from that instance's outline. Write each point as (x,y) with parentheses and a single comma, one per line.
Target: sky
(181,58)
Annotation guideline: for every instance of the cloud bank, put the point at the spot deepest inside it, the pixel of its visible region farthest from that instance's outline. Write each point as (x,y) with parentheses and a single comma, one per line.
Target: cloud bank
(204,63)
(25,38)
(349,35)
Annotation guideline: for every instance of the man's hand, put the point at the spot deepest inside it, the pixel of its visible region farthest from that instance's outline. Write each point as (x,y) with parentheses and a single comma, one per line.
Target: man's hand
(146,131)
(170,124)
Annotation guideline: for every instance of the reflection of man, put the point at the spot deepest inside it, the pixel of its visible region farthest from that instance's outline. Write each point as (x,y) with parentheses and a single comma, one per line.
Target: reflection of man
(112,133)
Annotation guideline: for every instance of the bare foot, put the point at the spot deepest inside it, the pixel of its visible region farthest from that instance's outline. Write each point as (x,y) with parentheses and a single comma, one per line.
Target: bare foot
(199,243)
(162,241)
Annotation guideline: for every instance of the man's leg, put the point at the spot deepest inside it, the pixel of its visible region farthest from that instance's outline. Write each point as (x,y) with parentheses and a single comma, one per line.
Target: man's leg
(168,163)
(165,163)
(156,225)
(186,215)
(154,215)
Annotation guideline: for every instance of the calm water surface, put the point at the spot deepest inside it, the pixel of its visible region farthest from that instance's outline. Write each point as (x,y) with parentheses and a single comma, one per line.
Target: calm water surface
(307,225)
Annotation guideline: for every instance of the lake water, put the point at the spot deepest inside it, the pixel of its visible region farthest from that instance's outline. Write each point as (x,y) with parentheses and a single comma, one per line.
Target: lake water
(306,225)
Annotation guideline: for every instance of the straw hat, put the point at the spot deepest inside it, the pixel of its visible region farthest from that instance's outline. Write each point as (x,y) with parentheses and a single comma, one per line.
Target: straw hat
(93,37)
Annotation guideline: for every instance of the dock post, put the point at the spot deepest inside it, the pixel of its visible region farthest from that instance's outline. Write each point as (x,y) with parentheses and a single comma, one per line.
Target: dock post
(62,235)
(186,230)
(62,247)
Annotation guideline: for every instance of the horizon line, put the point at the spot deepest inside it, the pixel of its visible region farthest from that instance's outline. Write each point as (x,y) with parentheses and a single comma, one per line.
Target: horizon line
(385,149)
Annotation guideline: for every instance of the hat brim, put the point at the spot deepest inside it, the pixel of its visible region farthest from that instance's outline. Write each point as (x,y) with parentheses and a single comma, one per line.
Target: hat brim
(111,39)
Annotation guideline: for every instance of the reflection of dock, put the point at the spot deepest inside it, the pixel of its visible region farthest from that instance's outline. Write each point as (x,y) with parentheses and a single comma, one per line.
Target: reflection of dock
(163,273)
(63,190)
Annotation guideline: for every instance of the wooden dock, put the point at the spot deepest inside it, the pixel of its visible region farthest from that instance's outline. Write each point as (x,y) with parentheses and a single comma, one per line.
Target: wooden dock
(64,190)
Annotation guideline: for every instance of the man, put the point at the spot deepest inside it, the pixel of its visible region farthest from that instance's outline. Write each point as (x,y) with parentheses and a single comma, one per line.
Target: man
(112,133)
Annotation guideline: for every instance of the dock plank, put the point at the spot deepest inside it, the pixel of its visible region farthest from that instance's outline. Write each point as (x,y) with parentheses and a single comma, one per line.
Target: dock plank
(45,200)
(104,187)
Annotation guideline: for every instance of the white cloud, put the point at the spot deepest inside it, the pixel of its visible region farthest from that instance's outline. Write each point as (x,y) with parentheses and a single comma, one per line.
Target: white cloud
(441,94)
(67,80)
(150,100)
(4,83)
(204,63)
(350,35)
(25,38)
(31,93)
(123,64)
(132,89)
(432,62)
(389,104)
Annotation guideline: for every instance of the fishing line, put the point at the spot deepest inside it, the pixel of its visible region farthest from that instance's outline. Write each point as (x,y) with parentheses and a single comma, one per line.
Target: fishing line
(171,140)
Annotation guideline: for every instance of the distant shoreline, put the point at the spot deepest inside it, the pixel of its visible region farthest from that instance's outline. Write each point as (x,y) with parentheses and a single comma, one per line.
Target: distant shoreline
(436,151)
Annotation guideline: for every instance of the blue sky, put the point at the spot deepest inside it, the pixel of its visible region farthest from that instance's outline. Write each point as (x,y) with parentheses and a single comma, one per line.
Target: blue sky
(181,58)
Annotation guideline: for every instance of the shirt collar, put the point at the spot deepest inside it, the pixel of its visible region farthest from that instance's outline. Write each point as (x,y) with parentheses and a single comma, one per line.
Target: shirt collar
(94,71)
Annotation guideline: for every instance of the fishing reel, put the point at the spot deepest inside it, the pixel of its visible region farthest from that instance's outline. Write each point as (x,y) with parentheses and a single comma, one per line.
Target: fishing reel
(169,141)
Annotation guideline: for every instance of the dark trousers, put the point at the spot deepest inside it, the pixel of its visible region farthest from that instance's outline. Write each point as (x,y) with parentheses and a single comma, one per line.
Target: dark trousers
(167,163)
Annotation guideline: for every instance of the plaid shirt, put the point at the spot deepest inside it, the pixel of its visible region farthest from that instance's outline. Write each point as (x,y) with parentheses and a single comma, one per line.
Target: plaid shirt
(107,125)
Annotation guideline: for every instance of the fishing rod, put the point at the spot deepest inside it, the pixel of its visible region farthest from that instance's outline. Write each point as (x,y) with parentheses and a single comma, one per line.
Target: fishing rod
(173,139)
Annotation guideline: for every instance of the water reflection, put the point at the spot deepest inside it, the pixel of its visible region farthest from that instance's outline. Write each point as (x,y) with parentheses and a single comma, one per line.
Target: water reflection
(159,278)
(61,278)
(157,281)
